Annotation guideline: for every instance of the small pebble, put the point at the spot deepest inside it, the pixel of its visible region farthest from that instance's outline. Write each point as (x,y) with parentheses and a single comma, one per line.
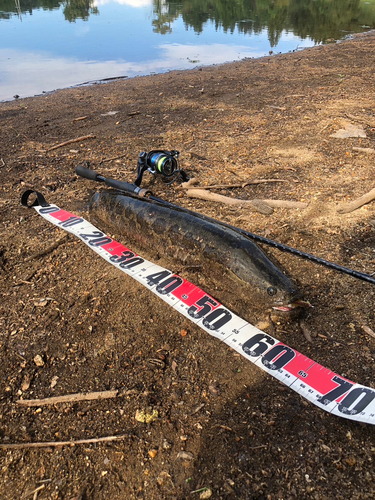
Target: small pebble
(166,445)
(146,416)
(25,383)
(38,360)
(206,494)
(54,381)
(185,455)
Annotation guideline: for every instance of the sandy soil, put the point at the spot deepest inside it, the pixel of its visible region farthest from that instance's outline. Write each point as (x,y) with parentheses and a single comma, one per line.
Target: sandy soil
(244,435)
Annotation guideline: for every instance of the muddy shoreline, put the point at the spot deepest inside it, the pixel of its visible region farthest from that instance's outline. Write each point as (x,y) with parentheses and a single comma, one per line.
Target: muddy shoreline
(71,324)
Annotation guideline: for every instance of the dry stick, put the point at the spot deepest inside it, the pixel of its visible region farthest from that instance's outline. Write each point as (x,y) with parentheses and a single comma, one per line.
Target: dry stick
(48,444)
(346,208)
(34,492)
(242,185)
(68,398)
(114,158)
(79,119)
(257,205)
(187,185)
(286,204)
(263,206)
(79,139)
(369,151)
(368,330)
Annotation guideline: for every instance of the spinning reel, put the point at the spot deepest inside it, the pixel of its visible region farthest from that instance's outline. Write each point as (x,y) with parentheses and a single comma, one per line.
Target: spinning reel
(159,162)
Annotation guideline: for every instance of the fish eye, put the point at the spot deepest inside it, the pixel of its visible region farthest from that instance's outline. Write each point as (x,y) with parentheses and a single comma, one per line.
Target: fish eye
(271,291)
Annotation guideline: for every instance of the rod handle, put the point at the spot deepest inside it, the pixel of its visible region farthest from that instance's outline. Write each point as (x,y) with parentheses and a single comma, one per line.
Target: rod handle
(122,186)
(87,173)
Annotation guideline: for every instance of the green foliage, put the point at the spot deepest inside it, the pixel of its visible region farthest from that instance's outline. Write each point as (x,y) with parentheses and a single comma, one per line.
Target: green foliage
(318,19)
(78,9)
(8,7)
(73,9)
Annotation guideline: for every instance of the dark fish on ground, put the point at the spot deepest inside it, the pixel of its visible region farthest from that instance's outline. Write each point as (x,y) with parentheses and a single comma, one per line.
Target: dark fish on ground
(194,241)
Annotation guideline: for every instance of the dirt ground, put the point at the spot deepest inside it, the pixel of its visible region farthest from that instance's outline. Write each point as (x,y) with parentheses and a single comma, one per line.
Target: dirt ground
(243,434)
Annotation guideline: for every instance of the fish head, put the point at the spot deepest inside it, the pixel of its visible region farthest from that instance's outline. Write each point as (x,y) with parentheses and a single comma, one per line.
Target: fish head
(285,299)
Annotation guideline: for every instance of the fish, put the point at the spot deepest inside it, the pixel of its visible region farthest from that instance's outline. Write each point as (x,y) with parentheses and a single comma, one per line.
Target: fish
(217,250)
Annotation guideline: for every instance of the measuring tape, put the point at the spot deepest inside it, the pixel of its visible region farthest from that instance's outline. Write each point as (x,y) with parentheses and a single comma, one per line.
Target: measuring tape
(324,388)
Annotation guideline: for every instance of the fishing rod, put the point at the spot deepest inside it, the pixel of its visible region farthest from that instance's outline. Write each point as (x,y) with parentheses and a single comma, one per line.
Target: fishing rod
(136,191)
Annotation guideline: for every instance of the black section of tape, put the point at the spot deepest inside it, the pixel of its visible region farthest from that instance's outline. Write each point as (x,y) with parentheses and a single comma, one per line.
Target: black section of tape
(39,200)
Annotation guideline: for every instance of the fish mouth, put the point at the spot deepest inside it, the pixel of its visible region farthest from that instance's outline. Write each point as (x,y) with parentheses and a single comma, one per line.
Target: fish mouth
(304,304)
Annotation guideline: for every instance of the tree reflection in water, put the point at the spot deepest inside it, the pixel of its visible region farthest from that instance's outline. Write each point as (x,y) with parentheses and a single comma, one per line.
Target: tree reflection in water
(319,20)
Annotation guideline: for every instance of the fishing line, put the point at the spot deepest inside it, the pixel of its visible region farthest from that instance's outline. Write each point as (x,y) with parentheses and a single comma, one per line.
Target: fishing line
(324,388)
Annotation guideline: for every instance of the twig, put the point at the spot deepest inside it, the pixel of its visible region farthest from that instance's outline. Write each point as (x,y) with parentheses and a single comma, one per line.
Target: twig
(198,157)
(185,185)
(286,204)
(369,151)
(19,133)
(114,158)
(49,444)
(79,119)
(79,139)
(262,206)
(205,488)
(49,249)
(68,398)
(346,208)
(256,205)
(34,492)
(368,330)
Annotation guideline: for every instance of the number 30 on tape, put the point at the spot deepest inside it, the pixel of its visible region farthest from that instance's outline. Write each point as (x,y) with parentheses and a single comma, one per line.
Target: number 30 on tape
(327,390)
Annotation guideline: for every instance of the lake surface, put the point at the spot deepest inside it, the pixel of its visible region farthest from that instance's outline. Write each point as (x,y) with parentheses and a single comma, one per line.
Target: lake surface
(49,44)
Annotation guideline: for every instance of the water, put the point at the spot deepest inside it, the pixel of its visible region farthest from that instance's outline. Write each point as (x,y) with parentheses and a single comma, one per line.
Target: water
(50,44)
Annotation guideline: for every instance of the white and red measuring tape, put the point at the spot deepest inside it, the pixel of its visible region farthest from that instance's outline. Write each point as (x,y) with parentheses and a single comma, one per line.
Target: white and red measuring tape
(326,389)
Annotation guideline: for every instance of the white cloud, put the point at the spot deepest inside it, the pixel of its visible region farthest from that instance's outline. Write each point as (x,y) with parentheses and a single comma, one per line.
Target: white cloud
(131,3)
(32,73)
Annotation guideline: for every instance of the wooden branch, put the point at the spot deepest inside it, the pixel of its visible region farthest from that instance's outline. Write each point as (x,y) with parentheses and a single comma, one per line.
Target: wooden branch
(114,158)
(79,139)
(257,205)
(34,492)
(286,204)
(346,208)
(79,119)
(68,398)
(187,185)
(369,151)
(368,330)
(263,206)
(48,444)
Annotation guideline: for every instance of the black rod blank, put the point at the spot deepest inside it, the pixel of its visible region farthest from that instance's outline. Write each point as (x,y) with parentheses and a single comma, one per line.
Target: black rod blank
(133,190)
